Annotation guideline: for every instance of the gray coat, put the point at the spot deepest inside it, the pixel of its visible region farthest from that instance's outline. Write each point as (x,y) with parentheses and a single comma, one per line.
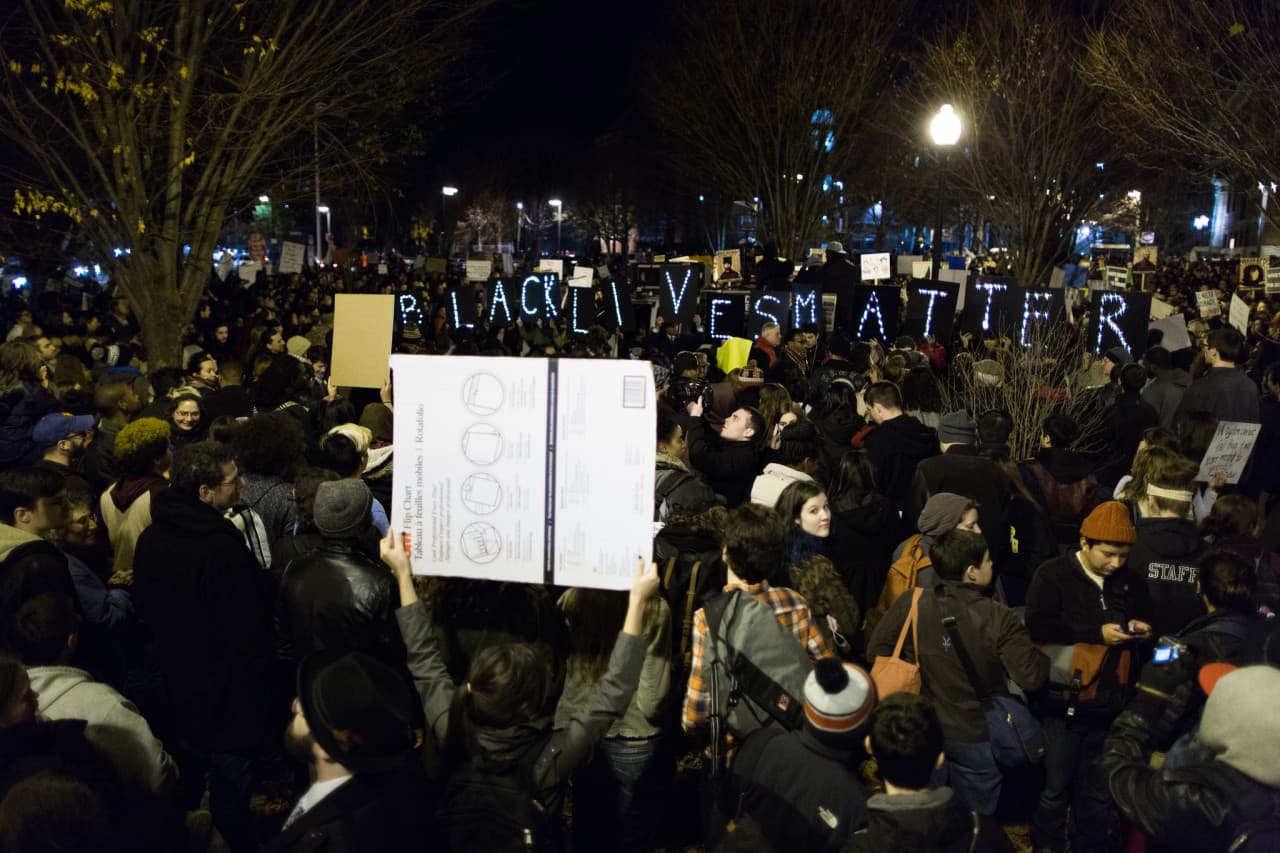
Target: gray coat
(1164,393)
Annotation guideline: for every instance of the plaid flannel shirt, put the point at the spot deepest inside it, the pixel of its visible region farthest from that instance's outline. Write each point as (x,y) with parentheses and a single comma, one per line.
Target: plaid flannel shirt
(792,613)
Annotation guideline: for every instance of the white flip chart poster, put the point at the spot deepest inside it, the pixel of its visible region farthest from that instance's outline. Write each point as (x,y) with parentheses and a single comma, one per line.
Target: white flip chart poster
(522,469)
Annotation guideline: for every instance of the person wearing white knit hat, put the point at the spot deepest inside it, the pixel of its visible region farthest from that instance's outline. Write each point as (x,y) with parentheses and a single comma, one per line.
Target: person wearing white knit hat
(801,789)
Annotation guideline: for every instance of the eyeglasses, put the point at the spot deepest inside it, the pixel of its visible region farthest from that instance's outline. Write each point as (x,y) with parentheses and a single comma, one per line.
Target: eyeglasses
(236,479)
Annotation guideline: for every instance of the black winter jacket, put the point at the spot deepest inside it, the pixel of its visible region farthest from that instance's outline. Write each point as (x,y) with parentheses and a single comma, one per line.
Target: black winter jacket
(21,407)
(963,472)
(1166,556)
(199,588)
(729,466)
(1065,607)
(933,821)
(338,597)
(1201,807)
(895,448)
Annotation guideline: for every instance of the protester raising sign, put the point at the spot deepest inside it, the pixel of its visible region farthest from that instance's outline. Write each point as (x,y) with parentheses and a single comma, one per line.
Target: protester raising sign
(1229,451)
(1207,302)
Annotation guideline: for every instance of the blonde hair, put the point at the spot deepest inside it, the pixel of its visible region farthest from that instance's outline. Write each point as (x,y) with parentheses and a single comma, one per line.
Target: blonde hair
(1152,462)
(361,436)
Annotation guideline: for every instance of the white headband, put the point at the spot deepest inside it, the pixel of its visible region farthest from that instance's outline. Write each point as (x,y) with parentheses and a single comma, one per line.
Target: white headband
(1171,494)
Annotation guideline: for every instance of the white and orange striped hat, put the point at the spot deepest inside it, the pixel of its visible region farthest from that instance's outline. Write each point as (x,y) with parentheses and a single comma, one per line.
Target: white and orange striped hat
(838,699)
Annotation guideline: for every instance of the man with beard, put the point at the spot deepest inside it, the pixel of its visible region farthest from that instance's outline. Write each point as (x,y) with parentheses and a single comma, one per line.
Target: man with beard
(62,439)
(358,727)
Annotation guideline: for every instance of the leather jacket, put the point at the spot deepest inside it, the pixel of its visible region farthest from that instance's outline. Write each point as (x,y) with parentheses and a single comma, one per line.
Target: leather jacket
(338,597)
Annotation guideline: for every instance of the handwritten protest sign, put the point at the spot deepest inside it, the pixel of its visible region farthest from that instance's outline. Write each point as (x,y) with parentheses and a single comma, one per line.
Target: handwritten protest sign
(1238,314)
(479,270)
(291,255)
(1207,302)
(1229,451)
(875,267)
(498,461)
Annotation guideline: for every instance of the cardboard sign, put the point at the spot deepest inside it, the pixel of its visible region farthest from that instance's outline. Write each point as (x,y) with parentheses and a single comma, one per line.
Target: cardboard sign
(806,305)
(678,289)
(436,265)
(582,277)
(363,324)
(1118,319)
(291,257)
(907,265)
(877,311)
(770,306)
(1207,302)
(479,270)
(725,316)
(1238,314)
(498,468)
(1174,328)
(931,310)
(921,269)
(1253,272)
(875,267)
(1161,309)
(554,265)
(1229,451)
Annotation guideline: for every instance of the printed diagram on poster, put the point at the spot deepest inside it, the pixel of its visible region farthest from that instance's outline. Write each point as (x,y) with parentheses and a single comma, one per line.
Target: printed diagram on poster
(1229,451)
(1207,302)
(499,471)
(875,267)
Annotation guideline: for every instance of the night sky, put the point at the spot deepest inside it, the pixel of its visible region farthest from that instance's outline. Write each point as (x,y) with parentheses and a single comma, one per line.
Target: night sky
(545,80)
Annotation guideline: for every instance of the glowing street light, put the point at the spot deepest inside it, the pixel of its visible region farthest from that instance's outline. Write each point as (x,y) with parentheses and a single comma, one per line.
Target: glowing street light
(449,191)
(944,130)
(264,199)
(557,204)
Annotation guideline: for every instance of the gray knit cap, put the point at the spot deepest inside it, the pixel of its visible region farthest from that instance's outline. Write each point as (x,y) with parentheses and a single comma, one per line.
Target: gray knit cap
(342,508)
(942,512)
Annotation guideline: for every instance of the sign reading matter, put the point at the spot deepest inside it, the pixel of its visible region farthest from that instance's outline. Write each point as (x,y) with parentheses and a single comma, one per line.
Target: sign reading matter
(1229,451)
(498,463)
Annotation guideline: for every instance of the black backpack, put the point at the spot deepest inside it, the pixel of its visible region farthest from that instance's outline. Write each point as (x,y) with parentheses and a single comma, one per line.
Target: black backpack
(490,806)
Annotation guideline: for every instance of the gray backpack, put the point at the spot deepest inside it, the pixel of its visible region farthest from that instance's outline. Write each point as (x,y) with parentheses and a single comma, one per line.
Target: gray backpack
(757,669)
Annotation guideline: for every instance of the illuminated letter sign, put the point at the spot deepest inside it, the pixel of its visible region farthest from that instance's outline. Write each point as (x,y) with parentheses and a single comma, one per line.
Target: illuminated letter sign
(1036,305)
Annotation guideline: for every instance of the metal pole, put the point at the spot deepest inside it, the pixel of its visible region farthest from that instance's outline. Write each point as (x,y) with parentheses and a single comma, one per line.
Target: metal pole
(937,231)
(559,219)
(315,138)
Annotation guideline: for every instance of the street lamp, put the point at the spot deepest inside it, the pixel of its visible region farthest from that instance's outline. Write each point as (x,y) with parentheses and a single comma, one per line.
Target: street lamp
(558,205)
(264,199)
(945,132)
(447,191)
(328,227)
(450,191)
(519,223)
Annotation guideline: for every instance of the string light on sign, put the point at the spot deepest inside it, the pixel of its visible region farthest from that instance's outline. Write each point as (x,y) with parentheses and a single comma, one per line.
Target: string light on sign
(548,297)
(524,293)
(617,302)
(990,288)
(762,312)
(499,298)
(928,311)
(872,311)
(807,302)
(457,313)
(1111,306)
(671,289)
(718,306)
(1030,314)
(576,328)
(410,312)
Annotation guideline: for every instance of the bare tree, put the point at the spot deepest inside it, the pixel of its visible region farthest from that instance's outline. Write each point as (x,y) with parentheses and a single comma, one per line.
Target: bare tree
(768,97)
(1196,77)
(146,122)
(1032,142)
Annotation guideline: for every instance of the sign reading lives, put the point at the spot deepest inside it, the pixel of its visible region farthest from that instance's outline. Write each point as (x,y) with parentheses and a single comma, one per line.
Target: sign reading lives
(527,470)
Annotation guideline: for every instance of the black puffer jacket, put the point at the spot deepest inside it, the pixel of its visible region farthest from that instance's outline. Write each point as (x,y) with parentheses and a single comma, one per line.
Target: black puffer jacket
(933,821)
(338,597)
(1201,807)
(21,407)
(729,466)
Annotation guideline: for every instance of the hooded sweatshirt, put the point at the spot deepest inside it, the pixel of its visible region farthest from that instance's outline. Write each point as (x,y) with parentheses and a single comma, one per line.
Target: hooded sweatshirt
(1166,555)
(933,820)
(29,566)
(896,447)
(114,724)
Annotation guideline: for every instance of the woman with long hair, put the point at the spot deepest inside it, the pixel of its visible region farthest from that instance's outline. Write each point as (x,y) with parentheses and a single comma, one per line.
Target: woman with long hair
(503,713)
(804,509)
(614,795)
(863,527)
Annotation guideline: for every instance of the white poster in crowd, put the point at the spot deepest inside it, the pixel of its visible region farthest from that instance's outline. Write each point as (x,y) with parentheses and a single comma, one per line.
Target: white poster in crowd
(1207,302)
(1117,278)
(382,269)
(1161,309)
(508,264)
(249,272)
(1238,314)
(419,262)
(1229,451)
(1273,278)
(478,270)
(291,256)
(906,265)
(1057,277)
(921,269)
(958,278)
(225,265)
(552,265)
(829,301)
(499,463)
(582,277)
(1174,327)
(875,267)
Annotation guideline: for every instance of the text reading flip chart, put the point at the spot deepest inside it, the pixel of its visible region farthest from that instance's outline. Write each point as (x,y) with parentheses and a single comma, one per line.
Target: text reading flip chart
(529,470)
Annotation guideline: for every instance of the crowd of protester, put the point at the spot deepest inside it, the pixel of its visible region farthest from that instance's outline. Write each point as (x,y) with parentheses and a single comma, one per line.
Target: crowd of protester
(868,624)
